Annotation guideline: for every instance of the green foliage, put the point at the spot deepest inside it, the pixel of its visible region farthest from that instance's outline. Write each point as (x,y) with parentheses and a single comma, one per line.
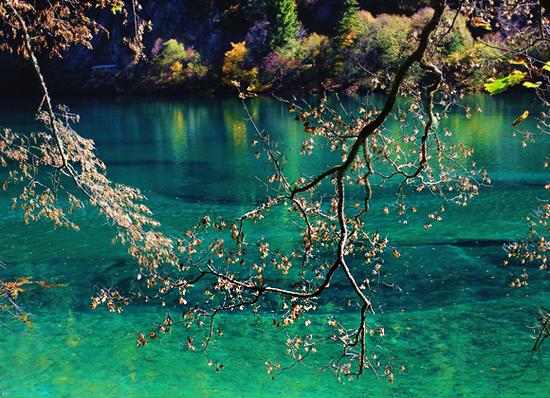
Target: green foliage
(496,86)
(171,51)
(499,85)
(347,20)
(381,42)
(531,84)
(117,6)
(300,63)
(311,48)
(175,65)
(283,19)
(471,62)
(458,40)
(390,39)
(362,54)
(474,65)
(377,45)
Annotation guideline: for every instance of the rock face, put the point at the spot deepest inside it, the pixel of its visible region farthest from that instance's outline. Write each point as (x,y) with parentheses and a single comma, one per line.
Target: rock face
(194,23)
(184,20)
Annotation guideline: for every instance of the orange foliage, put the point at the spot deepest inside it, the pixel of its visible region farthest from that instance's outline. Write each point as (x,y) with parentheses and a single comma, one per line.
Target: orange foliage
(235,68)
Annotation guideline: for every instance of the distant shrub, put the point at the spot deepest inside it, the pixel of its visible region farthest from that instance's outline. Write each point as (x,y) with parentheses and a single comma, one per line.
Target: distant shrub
(389,40)
(237,66)
(279,65)
(363,53)
(175,65)
(467,63)
(313,48)
(300,62)
(381,43)
(171,51)
(457,40)
(474,66)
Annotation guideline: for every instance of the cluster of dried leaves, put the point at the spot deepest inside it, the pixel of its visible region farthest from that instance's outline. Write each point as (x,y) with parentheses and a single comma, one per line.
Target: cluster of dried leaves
(47,164)
(9,293)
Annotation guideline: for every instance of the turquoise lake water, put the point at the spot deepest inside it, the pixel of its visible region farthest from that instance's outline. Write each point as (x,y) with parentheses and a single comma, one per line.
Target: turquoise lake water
(455,325)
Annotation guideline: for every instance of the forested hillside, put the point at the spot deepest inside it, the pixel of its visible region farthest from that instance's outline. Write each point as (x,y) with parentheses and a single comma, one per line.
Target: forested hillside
(271,45)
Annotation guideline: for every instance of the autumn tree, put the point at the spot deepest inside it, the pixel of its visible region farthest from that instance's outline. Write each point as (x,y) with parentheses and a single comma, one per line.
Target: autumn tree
(42,162)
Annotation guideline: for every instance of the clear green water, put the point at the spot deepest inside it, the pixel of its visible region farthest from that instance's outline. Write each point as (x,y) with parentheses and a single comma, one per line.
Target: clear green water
(456,326)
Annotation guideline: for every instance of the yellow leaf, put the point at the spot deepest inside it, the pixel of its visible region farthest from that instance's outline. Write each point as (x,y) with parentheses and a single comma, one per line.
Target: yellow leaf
(531,84)
(26,321)
(520,119)
(519,61)
(478,22)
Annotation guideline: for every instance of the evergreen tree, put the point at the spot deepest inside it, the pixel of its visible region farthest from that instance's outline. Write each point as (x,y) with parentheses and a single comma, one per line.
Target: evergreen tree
(347,19)
(283,19)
